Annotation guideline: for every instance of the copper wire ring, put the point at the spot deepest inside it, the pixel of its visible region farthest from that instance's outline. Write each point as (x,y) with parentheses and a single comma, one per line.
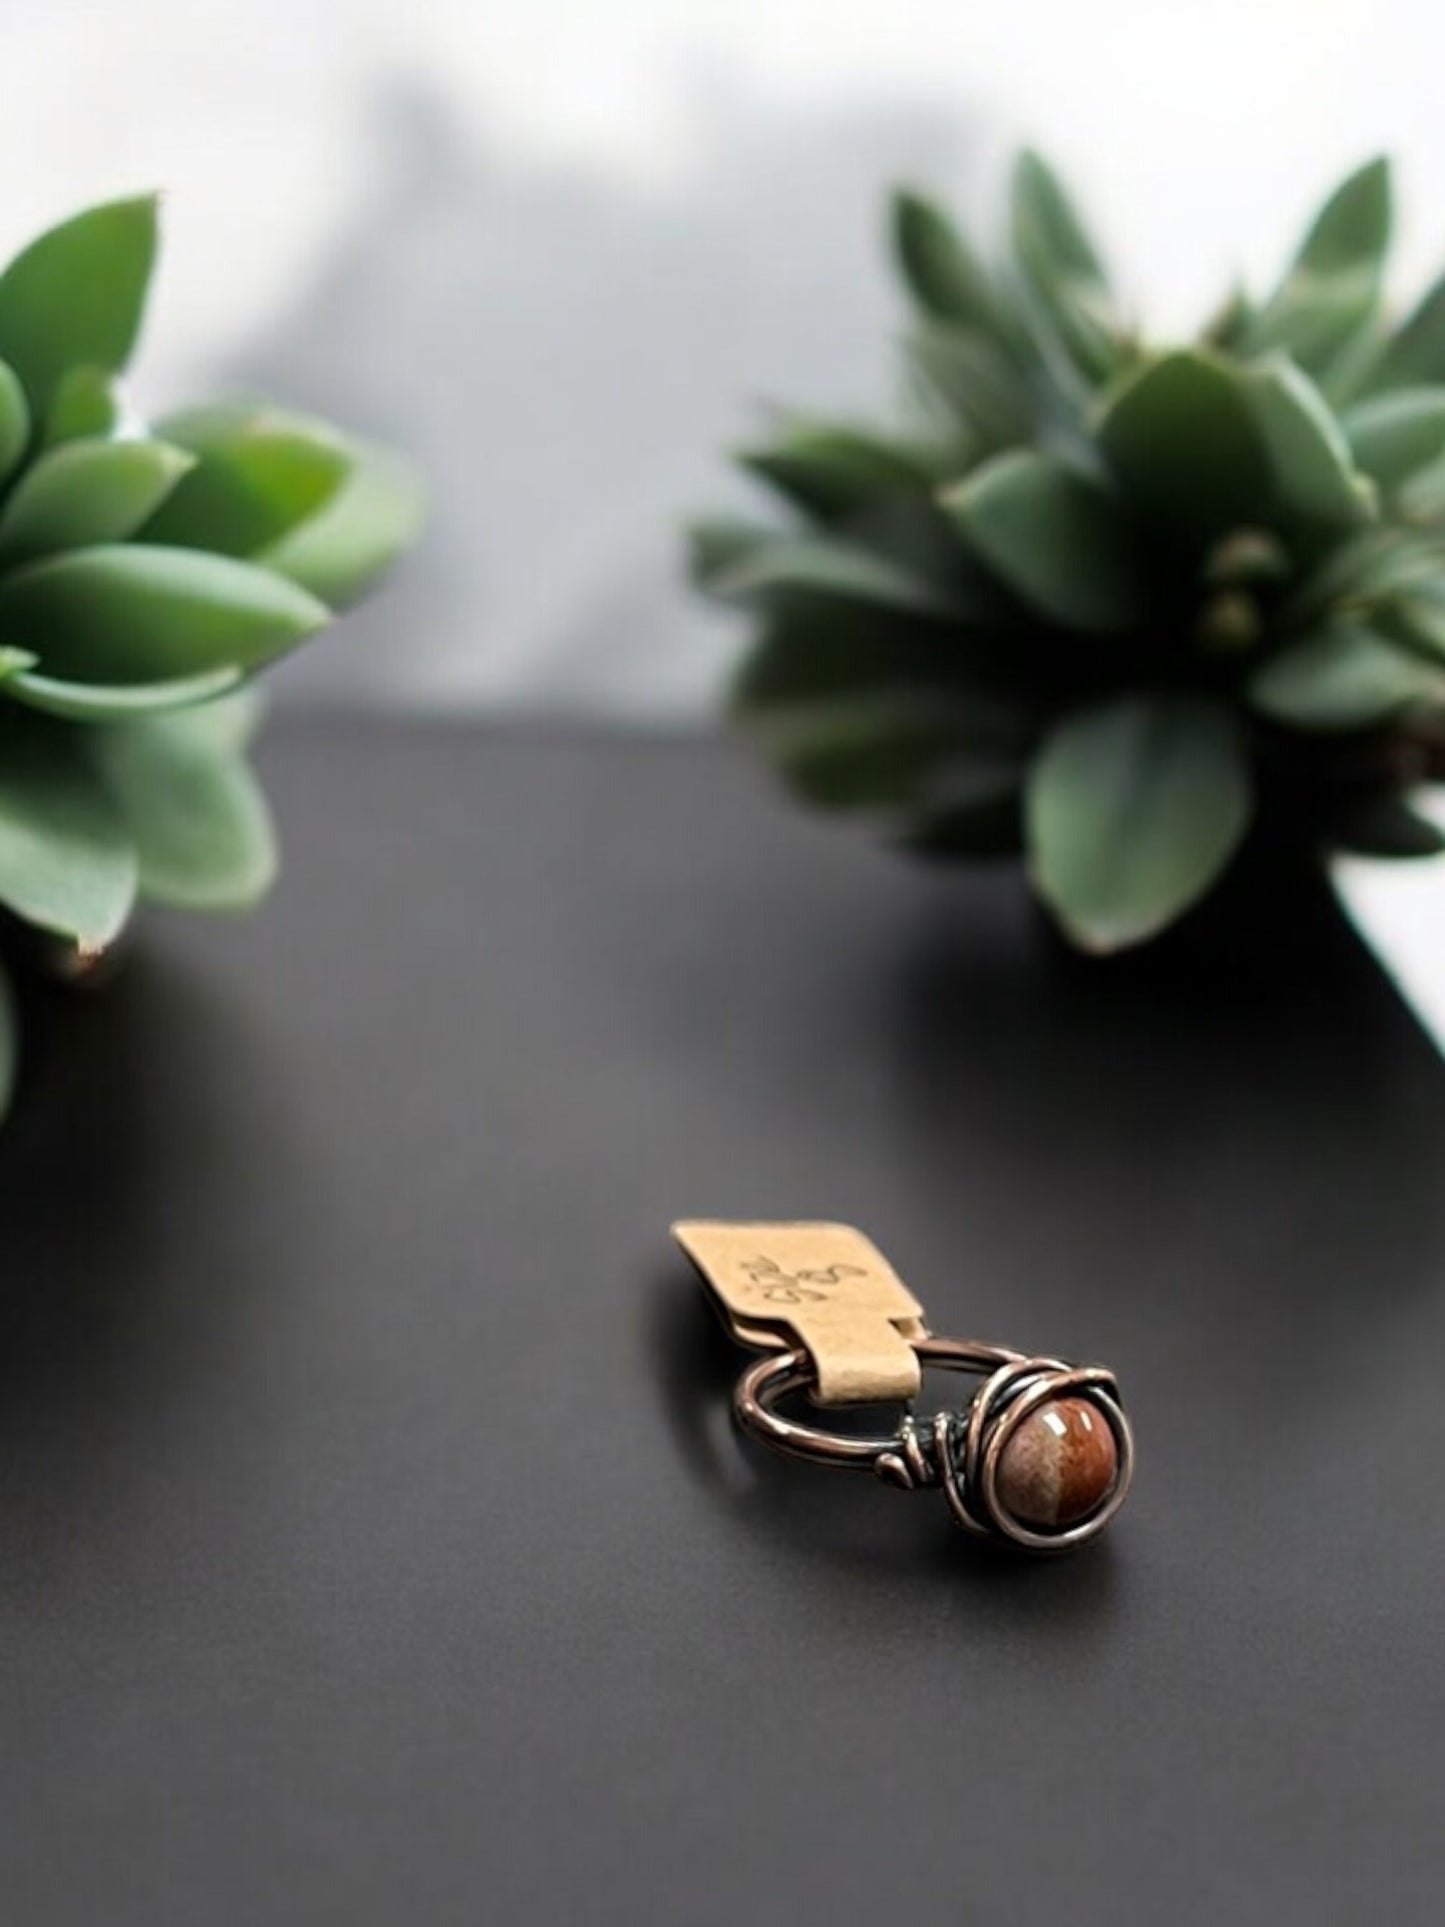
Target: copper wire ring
(958,1451)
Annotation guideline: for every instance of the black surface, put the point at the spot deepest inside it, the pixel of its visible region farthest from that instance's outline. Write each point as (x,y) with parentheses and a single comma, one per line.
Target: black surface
(372,1543)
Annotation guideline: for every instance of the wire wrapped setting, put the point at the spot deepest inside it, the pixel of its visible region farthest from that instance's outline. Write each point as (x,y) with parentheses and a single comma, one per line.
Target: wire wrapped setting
(959,1451)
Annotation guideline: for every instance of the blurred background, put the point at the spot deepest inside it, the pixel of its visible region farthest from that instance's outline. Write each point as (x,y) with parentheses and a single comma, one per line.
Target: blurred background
(566,252)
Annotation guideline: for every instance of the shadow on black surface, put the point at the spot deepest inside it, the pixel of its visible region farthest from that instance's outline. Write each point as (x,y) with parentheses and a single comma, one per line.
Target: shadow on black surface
(1249,1097)
(135,1105)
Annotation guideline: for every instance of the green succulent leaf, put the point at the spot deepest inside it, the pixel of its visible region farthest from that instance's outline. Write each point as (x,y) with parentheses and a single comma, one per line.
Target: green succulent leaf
(127,613)
(84,403)
(879,751)
(945,277)
(832,472)
(13,663)
(197,818)
(1395,434)
(858,753)
(1347,677)
(1230,323)
(1421,497)
(1184,442)
(114,702)
(1415,618)
(14,421)
(1332,287)
(1055,536)
(947,280)
(975,383)
(1415,354)
(1315,481)
(1134,809)
(228,725)
(828,566)
(1387,826)
(1062,273)
(717,543)
(257,472)
(1374,567)
(86,492)
(76,296)
(9,1045)
(1352,230)
(66,863)
(355,537)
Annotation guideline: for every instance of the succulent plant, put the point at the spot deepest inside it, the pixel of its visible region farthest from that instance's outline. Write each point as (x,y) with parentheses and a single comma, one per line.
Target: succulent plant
(146,575)
(1118,608)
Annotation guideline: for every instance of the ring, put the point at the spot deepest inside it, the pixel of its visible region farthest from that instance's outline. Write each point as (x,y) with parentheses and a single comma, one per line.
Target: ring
(1040,1457)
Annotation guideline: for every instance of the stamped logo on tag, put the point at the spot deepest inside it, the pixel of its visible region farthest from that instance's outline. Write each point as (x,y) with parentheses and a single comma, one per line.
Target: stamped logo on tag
(823,1287)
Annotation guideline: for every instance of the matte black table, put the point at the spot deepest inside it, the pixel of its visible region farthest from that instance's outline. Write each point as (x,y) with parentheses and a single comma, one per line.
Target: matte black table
(373,1543)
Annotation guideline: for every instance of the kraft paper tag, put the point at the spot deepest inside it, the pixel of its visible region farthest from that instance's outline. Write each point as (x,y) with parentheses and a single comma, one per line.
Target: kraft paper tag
(824,1287)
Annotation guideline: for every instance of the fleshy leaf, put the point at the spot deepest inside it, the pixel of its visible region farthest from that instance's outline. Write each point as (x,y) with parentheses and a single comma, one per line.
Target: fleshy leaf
(128,613)
(9,1045)
(716,543)
(258,472)
(86,492)
(1415,618)
(14,420)
(1185,444)
(13,663)
(1352,229)
(1333,285)
(975,382)
(1394,434)
(229,724)
(947,280)
(1228,326)
(76,296)
(1421,496)
(831,472)
(66,863)
(1373,566)
(875,751)
(1062,272)
(1134,809)
(196,815)
(1415,354)
(1055,536)
(1347,677)
(112,702)
(355,537)
(84,403)
(829,566)
(1315,482)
